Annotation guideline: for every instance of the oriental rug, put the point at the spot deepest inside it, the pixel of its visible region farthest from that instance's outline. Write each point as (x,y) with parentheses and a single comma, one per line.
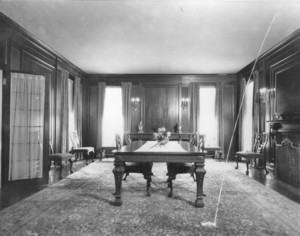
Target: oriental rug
(81,205)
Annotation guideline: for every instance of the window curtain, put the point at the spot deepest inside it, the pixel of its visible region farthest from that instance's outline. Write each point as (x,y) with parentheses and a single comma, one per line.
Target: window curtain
(256,105)
(78,108)
(241,102)
(194,106)
(126,111)
(65,113)
(26,126)
(100,105)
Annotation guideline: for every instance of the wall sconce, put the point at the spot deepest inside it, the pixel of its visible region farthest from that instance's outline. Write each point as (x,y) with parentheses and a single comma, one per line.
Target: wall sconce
(263,95)
(135,102)
(184,103)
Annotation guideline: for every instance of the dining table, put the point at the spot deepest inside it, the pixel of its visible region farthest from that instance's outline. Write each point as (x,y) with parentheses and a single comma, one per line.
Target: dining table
(152,151)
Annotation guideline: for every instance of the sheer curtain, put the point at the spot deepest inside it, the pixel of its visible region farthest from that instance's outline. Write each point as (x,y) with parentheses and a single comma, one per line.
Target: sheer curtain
(26,126)
(247,119)
(112,116)
(208,123)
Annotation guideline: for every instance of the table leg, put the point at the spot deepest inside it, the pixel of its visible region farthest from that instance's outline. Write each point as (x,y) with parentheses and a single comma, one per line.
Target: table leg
(118,173)
(199,172)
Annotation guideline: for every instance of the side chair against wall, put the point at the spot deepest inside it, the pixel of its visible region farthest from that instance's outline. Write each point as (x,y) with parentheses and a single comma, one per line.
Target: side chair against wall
(59,158)
(258,152)
(144,168)
(87,152)
(184,168)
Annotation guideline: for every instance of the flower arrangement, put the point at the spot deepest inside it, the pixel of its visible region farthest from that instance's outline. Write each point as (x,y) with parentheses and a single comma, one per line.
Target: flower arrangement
(161,134)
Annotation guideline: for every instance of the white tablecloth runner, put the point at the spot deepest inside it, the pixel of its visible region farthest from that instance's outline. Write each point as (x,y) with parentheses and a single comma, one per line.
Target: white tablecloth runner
(152,146)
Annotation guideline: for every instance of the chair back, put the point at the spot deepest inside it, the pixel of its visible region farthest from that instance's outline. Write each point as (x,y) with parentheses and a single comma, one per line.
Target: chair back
(118,141)
(201,142)
(193,139)
(127,139)
(261,142)
(74,139)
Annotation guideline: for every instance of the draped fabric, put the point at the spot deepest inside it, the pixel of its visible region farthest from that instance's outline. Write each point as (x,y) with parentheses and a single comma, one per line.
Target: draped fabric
(194,106)
(65,113)
(27,101)
(78,109)
(256,105)
(126,111)
(242,91)
(100,105)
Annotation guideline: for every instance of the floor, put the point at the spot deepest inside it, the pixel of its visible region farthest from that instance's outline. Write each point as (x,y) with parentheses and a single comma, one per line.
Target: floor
(20,190)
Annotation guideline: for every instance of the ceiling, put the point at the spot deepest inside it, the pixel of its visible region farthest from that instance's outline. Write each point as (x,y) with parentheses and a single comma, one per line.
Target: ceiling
(157,36)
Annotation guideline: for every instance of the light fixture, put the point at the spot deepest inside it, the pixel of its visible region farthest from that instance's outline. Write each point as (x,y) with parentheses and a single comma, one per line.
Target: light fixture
(184,103)
(263,95)
(135,102)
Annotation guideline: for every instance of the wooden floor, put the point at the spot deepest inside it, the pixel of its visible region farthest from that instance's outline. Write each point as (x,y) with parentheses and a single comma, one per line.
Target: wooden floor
(20,190)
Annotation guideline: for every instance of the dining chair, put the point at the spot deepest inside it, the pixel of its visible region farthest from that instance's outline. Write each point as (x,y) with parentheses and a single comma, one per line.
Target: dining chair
(144,168)
(174,169)
(258,152)
(87,152)
(58,158)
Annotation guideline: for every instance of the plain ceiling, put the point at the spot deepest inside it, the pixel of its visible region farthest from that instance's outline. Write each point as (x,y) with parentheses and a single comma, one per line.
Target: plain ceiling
(157,36)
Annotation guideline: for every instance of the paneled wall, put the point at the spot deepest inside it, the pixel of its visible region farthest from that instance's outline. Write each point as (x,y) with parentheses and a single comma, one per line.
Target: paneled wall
(279,113)
(21,52)
(160,103)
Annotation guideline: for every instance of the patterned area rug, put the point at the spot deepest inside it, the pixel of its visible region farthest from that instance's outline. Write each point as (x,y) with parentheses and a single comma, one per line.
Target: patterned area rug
(81,205)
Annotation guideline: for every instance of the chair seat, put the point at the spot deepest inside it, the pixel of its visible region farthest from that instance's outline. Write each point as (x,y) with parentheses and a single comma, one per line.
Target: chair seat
(82,149)
(180,168)
(60,157)
(249,155)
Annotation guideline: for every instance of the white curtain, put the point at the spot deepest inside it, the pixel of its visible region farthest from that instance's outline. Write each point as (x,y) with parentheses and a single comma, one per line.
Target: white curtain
(26,126)
(0,125)
(208,123)
(247,118)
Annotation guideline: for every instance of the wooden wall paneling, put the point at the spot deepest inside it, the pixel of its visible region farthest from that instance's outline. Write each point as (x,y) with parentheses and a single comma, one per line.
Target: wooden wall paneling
(3,51)
(15,58)
(185,112)
(90,116)
(161,106)
(228,119)
(1,73)
(136,116)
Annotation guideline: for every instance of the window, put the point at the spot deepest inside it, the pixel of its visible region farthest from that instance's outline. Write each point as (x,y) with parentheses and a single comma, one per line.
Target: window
(112,116)
(247,122)
(208,123)
(71,109)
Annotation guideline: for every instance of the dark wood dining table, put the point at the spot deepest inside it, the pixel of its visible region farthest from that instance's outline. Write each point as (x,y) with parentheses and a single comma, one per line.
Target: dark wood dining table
(133,153)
